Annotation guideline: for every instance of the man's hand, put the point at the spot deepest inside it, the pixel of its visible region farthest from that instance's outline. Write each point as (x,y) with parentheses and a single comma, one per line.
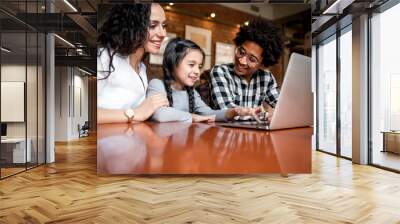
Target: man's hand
(269,111)
(243,112)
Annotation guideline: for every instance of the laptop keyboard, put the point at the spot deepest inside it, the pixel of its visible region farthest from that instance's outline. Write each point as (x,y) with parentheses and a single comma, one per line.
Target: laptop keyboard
(262,123)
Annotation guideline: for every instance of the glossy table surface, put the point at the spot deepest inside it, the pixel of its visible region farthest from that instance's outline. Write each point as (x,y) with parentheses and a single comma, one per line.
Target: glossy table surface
(181,148)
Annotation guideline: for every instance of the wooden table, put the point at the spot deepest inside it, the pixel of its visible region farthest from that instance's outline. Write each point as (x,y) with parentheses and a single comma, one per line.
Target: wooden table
(391,141)
(179,148)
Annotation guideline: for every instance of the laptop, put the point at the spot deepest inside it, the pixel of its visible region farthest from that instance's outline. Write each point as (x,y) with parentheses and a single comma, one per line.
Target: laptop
(295,103)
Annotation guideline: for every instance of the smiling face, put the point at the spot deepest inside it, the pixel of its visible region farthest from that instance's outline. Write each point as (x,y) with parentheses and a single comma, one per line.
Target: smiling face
(157,31)
(248,64)
(188,71)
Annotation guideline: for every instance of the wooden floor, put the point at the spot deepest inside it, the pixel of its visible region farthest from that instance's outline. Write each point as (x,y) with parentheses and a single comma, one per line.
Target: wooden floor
(10,171)
(387,159)
(70,191)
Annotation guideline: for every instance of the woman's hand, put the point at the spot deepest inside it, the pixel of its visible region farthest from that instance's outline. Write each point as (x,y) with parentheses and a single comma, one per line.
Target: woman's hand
(199,118)
(149,106)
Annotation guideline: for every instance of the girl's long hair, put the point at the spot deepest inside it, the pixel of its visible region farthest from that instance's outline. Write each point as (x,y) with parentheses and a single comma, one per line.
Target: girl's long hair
(174,53)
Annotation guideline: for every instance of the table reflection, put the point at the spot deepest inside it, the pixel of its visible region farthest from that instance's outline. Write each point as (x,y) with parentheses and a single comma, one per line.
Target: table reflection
(182,148)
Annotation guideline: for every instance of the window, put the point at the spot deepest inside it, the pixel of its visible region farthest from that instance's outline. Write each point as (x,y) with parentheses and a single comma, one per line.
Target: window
(327,95)
(22,77)
(346,92)
(385,85)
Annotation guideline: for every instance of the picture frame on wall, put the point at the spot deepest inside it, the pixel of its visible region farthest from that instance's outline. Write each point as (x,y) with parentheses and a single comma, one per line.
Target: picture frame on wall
(201,37)
(224,53)
(157,59)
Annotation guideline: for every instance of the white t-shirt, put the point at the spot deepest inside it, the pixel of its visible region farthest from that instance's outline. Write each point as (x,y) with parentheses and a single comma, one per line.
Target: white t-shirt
(123,88)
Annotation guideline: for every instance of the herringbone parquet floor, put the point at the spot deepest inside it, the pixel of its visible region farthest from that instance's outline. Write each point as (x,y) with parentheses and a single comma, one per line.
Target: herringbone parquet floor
(69,191)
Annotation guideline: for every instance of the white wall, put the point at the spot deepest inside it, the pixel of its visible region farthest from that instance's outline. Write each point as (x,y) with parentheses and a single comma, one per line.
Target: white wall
(71,102)
(15,72)
(81,82)
(62,81)
(33,127)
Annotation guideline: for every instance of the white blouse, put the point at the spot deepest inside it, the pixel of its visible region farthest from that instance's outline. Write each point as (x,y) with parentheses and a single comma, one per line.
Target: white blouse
(123,88)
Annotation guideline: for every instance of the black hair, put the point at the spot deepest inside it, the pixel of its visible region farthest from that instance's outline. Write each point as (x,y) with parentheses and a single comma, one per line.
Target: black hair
(174,53)
(266,35)
(124,31)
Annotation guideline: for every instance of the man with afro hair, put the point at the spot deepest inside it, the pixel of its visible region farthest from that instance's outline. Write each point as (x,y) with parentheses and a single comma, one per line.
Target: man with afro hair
(245,83)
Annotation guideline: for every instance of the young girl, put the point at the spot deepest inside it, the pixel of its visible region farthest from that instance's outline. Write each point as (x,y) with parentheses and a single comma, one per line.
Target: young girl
(182,64)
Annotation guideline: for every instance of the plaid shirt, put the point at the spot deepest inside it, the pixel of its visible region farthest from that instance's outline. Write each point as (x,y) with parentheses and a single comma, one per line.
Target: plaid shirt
(231,90)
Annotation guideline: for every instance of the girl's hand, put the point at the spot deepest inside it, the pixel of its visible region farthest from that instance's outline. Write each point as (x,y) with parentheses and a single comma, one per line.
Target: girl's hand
(199,118)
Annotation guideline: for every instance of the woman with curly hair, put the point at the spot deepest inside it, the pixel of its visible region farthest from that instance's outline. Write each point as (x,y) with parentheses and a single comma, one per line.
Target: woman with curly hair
(245,83)
(127,35)
(182,63)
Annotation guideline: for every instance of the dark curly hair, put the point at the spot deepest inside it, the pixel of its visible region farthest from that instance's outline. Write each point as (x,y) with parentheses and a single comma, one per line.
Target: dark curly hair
(174,53)
(124,30)
(265,34)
